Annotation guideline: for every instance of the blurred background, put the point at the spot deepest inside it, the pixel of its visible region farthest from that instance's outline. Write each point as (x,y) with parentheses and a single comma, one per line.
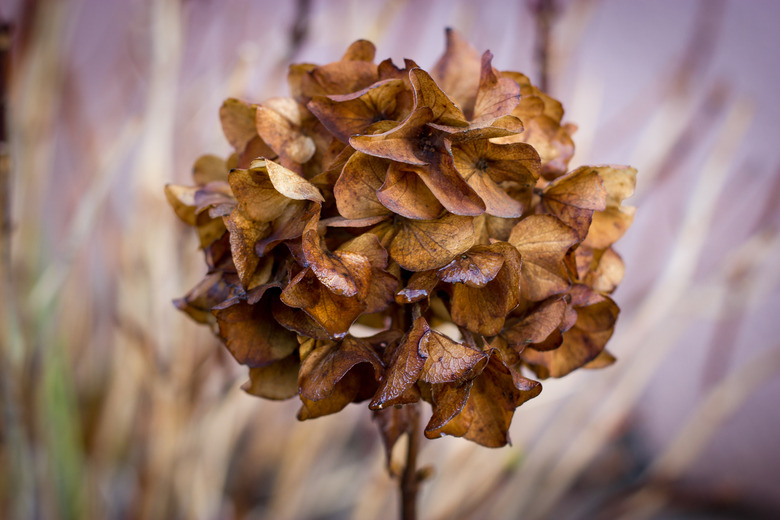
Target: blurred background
(116,406)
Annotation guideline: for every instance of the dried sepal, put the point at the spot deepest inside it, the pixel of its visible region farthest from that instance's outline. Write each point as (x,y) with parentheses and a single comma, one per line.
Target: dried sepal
(482,310)
(575,197)
(404,369)
(490,403)
(277,380)
(596,316)
(252,335)
(543,240)
(419,245)
(336,374)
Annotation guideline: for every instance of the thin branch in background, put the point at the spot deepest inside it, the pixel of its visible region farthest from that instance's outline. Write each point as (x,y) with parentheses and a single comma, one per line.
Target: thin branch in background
(733,311)
(300,28)
(696,57)
(545,12)
(723,401)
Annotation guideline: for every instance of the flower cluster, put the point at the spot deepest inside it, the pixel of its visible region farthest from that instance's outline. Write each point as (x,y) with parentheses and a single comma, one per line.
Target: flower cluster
(434,207)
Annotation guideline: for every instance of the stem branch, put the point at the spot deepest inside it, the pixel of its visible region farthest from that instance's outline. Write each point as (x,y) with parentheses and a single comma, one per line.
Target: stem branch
(410,482)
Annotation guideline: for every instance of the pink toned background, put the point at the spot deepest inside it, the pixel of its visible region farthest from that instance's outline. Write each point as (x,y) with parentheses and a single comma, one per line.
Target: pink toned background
(110,100)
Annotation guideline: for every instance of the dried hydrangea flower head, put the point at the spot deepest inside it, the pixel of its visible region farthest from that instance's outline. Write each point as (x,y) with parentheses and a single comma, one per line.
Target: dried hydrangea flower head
(436,208)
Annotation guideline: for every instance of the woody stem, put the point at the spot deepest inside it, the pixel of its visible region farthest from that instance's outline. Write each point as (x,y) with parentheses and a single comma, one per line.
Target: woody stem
(410,482)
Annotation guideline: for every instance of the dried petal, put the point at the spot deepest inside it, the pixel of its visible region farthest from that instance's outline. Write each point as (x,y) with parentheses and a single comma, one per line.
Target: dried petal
(448,361)
(335,313)
(581,344)
(279,123)
(496,96)
(419,245)
(336,374)
(487,166)
(351,114)
(355,190)
(475,268)
(238,122)
(575,197)
(536,325)
(404,368)
(428,94)
(252,335)
(457,72)
(277,381)
(492,400)
(404,193)
(542,240)
(483,310)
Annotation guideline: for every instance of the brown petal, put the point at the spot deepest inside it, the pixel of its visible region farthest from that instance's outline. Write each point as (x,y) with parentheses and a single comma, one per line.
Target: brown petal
(448,361)
(496,96)
(448,186)
(603,360)
(367,245)
(448,400)
(259,199)
(581,344)
(618,181)
(238,122)
(492,401)
(245,233)
(360,50)
(536,325)
(335,313)
(404,368)
(428,94)
(608,272)
(341,222)
(276,381)
(515,162)
(254,149)
(351,114)
(336,374)
(419,245)
(209,168)
(483,310)
(484,165)
(608,226)
(343,272)
(542,240)
(457,72)
(399,143)
(381,291)
(355,190)
(210,291)
(575,197)
(288,225)
(279,125)
(297,321)
(420,286)
(341,77)
(393,422)
(289,183)
(252,335)
(404,193)
(184,200)
(475,268)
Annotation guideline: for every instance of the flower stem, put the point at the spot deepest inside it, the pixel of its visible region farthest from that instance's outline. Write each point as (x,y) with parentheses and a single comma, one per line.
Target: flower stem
(410,482)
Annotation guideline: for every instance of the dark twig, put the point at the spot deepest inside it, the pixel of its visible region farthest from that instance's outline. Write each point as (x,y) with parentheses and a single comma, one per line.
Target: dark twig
(545,12)
(410,480)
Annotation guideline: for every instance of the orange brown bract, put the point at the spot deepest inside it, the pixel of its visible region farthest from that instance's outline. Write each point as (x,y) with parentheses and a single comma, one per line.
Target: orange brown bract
(410,202)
